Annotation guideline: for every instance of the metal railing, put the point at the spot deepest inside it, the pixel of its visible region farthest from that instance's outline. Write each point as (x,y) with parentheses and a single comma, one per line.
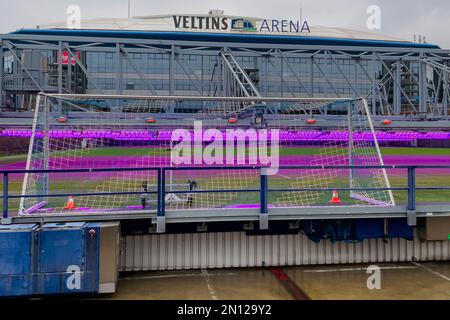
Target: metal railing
(263,189)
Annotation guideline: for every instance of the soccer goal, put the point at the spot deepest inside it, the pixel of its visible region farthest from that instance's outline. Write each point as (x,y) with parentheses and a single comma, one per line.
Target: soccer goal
(135,132)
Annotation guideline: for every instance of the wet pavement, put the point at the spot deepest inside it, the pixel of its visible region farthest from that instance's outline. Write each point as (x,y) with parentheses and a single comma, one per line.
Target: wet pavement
(347,282)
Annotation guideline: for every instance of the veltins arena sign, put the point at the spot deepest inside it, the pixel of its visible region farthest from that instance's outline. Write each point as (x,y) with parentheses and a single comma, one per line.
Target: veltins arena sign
(239,24)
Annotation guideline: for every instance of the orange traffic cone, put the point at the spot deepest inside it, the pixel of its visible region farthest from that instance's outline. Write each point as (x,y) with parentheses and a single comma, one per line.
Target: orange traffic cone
(70,204)
(335,198)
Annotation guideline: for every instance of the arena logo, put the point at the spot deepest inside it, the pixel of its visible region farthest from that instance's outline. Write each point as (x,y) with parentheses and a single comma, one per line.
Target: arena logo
(285,26)
(200,22)
(232,147)
(240,24)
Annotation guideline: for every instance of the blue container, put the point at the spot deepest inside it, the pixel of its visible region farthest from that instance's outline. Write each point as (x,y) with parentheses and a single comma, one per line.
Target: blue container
(369,229)
(68,258)
(17,247)
(399,228)
(61,245)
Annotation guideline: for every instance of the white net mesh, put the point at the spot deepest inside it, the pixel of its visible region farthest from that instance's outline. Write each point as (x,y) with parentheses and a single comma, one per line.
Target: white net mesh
(82,131)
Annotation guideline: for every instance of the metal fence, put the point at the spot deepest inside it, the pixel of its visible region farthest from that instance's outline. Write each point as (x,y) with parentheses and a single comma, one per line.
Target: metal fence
(263,190)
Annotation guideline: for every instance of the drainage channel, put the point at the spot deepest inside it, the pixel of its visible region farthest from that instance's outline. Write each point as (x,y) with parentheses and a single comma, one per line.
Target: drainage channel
(291,287)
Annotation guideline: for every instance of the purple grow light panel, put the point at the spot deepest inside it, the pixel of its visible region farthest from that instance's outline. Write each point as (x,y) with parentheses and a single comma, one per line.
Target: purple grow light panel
(285,136)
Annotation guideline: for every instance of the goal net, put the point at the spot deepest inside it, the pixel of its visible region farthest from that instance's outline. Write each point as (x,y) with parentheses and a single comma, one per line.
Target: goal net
(145,132)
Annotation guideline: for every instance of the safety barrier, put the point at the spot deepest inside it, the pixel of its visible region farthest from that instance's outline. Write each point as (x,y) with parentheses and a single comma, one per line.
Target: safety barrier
(264,190)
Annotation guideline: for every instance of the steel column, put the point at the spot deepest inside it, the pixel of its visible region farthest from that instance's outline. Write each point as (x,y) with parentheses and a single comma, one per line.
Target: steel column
(356,79)
(411,209)
(172,71)
(119,69)
(69,73)
(1,73)
(264,211)
(161,213)
(350,111)
(5,195)
(411,189)
(60,72)
(46,146)
(397,92)
(311,76)
(423,91)
(374,85)
(445,93)
(282,82)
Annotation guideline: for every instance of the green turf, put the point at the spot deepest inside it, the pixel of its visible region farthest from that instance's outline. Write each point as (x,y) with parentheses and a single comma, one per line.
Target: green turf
(117,151)
(139,151)
(416,151)
(13,159)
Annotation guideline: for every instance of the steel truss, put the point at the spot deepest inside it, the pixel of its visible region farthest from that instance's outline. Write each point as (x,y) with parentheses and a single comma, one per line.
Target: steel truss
(388,73)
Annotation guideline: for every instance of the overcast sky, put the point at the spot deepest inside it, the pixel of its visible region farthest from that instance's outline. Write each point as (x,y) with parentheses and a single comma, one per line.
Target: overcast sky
(400,18)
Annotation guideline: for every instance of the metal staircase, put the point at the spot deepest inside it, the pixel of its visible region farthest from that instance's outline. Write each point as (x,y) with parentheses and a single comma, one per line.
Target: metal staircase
(237,83)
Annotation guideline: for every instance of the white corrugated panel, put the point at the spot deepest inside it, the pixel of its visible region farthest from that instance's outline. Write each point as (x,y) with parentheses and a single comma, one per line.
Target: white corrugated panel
(235,249)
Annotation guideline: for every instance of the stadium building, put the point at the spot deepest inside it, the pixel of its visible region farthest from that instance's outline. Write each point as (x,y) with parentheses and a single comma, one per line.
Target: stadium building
(192,55)
(94,114)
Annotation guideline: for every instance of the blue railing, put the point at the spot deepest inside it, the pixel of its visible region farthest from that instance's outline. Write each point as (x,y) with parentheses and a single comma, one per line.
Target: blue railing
(263,189)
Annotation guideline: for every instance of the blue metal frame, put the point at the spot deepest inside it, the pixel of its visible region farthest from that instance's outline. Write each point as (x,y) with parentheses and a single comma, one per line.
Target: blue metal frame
(263,189)
(411,188)
(5,194)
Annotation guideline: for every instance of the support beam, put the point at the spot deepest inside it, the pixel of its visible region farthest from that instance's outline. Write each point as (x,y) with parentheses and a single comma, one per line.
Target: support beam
(445,92)
(397,92)
(69,78)
(1,73)
(423,90)
(311,76)
(235,69)
(172,71)
(264,211)
(119,69)
(60,72)
(374,85)
(161,212)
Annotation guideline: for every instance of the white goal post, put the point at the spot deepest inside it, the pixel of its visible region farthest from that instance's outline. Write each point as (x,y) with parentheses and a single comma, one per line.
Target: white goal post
(73,131)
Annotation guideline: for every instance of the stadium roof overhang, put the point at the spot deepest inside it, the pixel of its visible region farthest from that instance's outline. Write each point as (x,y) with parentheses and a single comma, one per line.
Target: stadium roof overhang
(212,38)
(163,41)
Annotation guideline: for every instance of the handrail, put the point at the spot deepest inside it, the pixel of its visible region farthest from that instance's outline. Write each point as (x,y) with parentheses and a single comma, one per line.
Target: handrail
(264,189)
(305,167)
(193,98)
